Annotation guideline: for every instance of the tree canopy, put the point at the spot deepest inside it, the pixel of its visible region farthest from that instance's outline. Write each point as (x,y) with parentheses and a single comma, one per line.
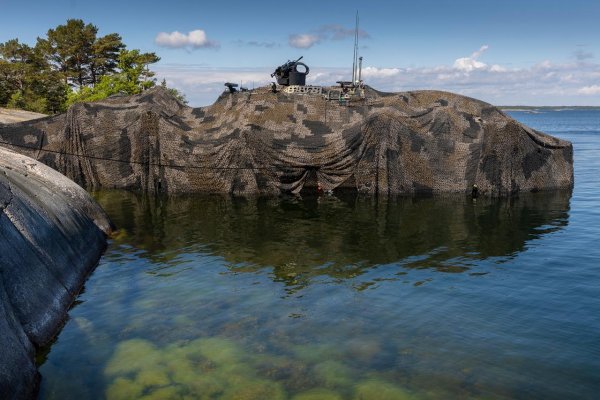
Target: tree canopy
(133,77)
(71,64)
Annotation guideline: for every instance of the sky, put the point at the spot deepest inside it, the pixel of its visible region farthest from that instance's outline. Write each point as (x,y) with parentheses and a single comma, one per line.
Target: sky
(527,52)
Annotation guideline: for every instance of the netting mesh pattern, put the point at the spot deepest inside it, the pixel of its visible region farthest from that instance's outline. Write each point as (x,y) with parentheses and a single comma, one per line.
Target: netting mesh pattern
(259,142)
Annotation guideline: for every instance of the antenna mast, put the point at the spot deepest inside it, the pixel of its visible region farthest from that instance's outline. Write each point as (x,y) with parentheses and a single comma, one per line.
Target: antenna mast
(354,59)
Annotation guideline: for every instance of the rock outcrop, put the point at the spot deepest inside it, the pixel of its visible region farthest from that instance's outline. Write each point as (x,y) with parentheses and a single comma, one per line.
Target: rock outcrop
(10,115)
(259,142)
(51,236)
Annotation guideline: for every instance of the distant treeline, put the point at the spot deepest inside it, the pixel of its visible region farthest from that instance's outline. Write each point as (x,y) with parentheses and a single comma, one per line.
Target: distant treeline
(71,64)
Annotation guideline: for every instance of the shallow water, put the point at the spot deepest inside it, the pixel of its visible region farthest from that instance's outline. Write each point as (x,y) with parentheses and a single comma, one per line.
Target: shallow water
(344,297)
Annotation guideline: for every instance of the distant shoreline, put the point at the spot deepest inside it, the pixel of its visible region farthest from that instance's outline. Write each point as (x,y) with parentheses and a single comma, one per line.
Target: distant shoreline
(534,109)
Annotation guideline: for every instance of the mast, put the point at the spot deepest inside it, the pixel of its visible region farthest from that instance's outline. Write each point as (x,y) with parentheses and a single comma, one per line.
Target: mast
(354,58)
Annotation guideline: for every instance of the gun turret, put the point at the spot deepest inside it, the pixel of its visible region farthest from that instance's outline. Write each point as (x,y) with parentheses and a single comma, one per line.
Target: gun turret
(288,74)
(231,86)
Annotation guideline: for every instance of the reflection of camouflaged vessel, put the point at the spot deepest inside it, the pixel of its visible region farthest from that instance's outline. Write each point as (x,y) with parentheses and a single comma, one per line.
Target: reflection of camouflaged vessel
(259,142)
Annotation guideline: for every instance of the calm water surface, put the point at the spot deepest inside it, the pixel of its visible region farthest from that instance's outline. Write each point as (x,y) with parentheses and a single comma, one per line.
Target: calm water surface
(345,297)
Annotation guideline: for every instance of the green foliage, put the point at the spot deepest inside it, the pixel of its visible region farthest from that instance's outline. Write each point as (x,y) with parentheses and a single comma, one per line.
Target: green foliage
(28,101)
(105,52)
(27,82)
(176,93)
(72,64)
(133,78)
(70,48)
(16,100)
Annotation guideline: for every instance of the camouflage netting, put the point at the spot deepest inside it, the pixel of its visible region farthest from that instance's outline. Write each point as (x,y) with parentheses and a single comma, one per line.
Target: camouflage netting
(259,142)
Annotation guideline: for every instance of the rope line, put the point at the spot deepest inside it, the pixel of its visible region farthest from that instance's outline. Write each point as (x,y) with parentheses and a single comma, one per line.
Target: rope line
(137,162)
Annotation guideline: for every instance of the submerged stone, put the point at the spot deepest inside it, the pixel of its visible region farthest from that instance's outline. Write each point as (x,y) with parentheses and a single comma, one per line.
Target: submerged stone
(132,356)
(318,394)
(166,393)
(315,353)
(374,389)
(153,377)
(208,368)
(124,389)
(217,350)
(257,389)
(333,374)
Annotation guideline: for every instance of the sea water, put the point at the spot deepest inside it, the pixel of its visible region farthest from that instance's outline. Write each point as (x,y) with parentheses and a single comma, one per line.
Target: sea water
(210,297)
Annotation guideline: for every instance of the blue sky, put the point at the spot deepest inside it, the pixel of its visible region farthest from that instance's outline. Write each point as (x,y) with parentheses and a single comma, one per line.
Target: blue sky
(504,52)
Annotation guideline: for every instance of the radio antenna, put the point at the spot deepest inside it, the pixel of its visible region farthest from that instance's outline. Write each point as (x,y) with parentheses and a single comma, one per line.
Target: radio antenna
(354,59)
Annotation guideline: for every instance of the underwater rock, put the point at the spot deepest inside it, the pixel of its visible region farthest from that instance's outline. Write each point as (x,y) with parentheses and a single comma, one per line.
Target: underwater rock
(205,368)
(132,356)
(217,350)
(260,142)
(314,353)
(373,389)
(318,394)
(124,389)
(254,389)
(166,393)
(333,374)
(51,236)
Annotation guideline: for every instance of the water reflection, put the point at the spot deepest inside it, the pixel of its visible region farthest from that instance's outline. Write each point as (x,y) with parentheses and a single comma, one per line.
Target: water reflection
(317,298)
(300,239)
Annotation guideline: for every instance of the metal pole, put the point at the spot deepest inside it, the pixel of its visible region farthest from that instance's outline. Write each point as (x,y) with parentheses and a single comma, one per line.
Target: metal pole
(355,50)
(359,69)
(356,41)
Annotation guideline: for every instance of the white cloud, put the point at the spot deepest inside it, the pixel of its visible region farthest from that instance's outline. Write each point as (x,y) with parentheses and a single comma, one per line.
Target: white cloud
(323,33)
(590,90)
(479,52)
(195,39)
(338,32)
(202,85)
(256,43)
(373,72)
(468,64)
(472,63)
(545,83)
(304,40)
(546,64)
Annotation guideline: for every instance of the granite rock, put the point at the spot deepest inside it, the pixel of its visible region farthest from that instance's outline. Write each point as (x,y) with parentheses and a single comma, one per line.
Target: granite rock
(51,236)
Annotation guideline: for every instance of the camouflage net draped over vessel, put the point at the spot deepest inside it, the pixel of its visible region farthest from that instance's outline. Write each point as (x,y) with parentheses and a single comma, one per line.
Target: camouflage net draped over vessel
(259,142)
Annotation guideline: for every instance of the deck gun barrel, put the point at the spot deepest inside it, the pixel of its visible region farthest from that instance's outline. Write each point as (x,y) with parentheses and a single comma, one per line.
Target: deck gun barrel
(287,74)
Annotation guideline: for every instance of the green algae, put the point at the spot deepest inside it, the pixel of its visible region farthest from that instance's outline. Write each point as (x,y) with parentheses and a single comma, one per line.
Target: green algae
(375,389)
(333,374)
(132,356)
(314,353)
(217,350)
(220,368)
(124,389)
(153,377)
(204,368)
(318,394)
(165,393)
(254,389)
